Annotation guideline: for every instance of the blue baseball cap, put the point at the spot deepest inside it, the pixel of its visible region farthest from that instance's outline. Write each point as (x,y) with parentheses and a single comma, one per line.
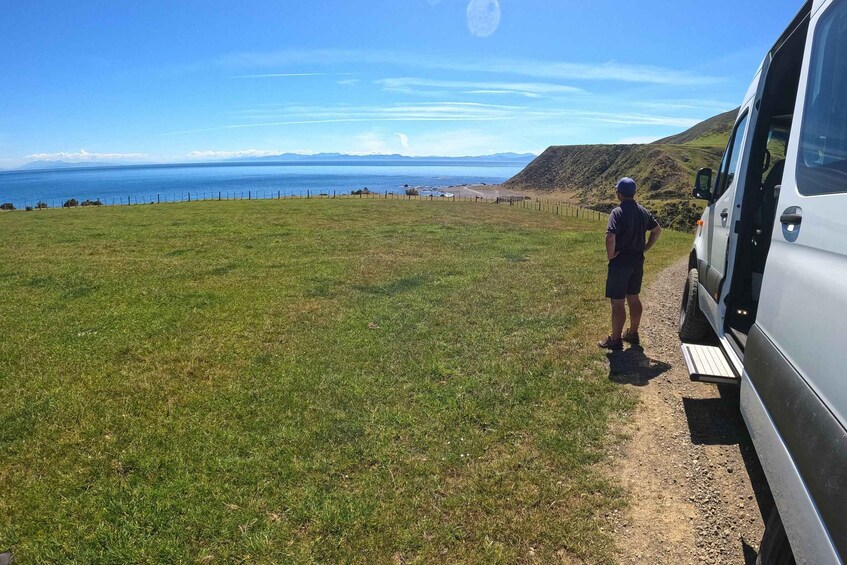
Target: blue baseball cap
(626,186)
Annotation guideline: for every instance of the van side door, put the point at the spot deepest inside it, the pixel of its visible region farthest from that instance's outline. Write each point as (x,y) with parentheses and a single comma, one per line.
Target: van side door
(720,216)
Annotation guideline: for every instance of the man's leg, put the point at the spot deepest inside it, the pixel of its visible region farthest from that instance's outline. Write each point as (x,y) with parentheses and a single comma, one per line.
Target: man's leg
(616,281)
(635,310)
(618,317)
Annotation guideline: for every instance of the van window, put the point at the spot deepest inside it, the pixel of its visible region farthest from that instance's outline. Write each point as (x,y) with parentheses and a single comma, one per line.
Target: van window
(776,148)
(730,159)
(822,166)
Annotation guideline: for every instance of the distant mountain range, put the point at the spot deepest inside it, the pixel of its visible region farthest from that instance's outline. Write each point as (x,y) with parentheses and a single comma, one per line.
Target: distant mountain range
(46,165)
(323,158)
(345,158)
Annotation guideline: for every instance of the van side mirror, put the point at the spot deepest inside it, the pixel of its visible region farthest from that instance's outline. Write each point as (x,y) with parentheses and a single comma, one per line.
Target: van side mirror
(703,184)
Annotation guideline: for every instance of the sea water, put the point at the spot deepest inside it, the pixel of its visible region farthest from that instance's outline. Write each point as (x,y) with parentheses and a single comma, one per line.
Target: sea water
(166,183)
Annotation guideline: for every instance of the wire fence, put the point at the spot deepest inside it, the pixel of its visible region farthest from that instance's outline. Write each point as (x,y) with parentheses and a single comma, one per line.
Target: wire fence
(557,207)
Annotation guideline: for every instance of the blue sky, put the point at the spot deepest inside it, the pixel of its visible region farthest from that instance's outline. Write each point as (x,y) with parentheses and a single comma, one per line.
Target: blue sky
(199,80)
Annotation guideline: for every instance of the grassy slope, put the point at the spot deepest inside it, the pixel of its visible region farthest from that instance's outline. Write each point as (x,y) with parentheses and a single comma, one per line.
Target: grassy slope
(591,171)
(712,132)
(304,380)
(664,170)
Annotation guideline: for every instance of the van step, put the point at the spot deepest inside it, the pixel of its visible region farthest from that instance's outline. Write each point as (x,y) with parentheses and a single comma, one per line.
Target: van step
(708,364)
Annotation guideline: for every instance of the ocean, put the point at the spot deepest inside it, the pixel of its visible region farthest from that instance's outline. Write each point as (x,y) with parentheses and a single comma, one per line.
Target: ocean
(167,183)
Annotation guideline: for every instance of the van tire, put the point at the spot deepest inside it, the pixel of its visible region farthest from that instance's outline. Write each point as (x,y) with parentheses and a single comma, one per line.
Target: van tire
(693,325)
(775,548)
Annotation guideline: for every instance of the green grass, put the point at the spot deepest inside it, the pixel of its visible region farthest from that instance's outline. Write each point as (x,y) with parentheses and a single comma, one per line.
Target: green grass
(326,381)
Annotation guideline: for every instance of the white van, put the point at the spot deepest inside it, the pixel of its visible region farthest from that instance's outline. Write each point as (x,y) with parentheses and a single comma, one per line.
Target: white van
(768,276)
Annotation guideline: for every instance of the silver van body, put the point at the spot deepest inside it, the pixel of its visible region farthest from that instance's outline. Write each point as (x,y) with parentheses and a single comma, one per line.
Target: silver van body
(770,256)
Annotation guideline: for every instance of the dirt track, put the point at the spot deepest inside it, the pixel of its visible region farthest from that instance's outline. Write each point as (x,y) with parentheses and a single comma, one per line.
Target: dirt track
(697,491)
(483,191)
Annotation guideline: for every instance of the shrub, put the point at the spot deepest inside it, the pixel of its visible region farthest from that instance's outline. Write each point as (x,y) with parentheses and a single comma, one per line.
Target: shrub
(360,191)
(70,203)
(7,206)
(91,203)
(28,208)
(41,205)
(412,192)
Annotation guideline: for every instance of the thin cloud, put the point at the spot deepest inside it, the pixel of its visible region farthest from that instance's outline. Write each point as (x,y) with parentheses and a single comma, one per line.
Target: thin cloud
(638,119)
(504,92)
(281,75)
(529,89)
(425,112)
(556,70)
(431,112)
(83,155)
(684,104)
(338,121)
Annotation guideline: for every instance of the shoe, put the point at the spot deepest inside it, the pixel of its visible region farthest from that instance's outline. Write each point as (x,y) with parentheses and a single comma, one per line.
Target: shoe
(631,337)
(612,344)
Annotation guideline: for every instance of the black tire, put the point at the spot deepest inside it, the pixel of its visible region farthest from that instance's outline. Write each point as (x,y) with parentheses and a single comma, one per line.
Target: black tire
(775,548)
(693,325)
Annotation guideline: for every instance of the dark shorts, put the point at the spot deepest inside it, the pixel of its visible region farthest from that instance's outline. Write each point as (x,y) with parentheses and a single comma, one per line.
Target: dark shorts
(625,274)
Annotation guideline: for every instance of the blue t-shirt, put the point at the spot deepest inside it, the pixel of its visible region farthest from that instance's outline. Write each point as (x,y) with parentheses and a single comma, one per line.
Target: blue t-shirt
(630,222)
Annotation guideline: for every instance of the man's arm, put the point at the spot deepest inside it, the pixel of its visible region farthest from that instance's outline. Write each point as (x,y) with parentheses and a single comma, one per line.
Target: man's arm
(651,241)
(610,246)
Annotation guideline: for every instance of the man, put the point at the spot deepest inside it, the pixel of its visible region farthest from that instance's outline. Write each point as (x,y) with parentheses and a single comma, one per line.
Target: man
(625,247)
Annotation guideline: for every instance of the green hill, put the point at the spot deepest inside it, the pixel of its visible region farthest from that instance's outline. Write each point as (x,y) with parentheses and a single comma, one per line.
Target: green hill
(664,170)
(712,132)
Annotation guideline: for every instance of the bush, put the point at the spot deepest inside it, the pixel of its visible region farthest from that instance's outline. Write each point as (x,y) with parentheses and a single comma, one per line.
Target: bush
(41,206)
(7,206)
(412,192)
(70,203)
(678,214)
(360,191)
(28,208)
(91,203)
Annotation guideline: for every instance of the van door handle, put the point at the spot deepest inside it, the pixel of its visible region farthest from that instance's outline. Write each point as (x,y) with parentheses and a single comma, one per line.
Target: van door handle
(791,219)
(724,214)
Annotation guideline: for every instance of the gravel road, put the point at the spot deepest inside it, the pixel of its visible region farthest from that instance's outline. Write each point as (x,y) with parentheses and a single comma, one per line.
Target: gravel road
(697,491)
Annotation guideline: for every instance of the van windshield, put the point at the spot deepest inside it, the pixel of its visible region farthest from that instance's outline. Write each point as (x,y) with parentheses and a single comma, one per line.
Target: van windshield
(822,166)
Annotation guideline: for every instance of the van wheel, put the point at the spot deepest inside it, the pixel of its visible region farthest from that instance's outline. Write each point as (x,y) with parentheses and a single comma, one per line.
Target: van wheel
(693,325)
(775,549)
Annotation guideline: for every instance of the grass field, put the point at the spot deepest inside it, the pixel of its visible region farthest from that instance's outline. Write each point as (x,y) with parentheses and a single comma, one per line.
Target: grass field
(305,380)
